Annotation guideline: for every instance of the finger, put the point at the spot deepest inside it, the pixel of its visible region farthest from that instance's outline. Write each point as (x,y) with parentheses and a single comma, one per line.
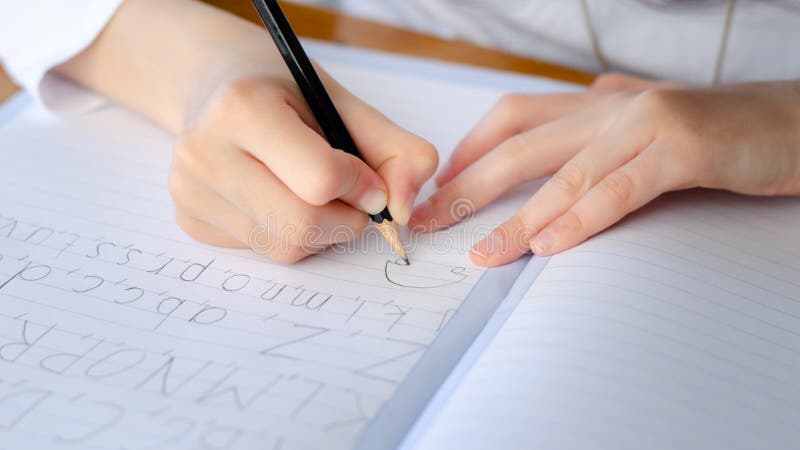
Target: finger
(205,232)
(268,127)
(242,232)
(524,157)
(254,189)
(204,214)
(212,235)
(626,189)
(612,150)
(209,208)
(403,160)
(255,237)
(240,183)
(504,244)
(513,114)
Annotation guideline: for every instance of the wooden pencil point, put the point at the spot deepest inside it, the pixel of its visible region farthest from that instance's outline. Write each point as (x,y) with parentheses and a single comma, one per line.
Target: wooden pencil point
(391,233)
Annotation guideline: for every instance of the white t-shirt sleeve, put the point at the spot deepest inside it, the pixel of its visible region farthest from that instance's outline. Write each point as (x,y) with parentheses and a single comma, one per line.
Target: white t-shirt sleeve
(37,35)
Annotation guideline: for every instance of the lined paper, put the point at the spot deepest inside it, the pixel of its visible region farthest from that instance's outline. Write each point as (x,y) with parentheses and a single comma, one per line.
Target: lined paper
(679,328)
(118,331)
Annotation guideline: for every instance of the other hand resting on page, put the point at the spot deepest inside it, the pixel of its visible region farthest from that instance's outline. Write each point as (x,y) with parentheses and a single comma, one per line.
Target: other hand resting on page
(611,150)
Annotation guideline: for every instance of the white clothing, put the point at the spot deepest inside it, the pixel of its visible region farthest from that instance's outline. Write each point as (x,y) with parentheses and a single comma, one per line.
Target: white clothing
(37,35)
(667,39)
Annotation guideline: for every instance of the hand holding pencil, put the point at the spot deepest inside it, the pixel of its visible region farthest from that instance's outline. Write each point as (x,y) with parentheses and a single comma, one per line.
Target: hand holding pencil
(250,154)
(325,112)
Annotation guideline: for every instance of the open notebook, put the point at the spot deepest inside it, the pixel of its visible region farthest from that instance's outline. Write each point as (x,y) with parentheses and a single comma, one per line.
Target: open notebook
(678,328)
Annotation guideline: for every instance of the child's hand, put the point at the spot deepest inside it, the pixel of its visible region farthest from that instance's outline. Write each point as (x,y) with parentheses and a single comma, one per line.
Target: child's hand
(612,150)
(253,169)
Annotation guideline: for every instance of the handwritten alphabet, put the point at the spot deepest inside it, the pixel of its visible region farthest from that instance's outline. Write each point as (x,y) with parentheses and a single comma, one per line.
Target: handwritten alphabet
(133,321)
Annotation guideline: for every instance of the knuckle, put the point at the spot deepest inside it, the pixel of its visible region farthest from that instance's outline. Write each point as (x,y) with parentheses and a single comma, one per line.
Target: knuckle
(323,186)
(570,223)
(610,80)
(425,157)
(235,97)
(450,197)
(242,98)
(615,81)
(570,178)
(523,231)
(515,146)
(514,150)
(305,229)
(511,104)
(618,186)
(656,101)
(617,98)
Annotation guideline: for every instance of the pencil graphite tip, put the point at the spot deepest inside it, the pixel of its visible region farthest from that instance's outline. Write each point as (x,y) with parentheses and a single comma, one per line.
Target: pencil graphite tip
(389,231)
(408,263)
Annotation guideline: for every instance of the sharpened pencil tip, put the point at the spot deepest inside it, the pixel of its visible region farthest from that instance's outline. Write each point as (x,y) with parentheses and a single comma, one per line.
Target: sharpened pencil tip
(389,231)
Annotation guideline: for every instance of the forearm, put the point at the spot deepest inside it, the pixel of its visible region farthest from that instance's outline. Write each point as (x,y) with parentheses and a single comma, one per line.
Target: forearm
(158,58)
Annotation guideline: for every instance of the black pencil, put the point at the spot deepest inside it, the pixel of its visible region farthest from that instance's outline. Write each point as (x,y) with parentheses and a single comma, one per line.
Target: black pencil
(319,102)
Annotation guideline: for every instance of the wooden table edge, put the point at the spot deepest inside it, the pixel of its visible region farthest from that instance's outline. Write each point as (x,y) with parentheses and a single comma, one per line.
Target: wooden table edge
(327,25)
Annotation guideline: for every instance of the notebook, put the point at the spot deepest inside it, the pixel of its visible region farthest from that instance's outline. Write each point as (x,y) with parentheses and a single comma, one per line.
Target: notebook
(678,328)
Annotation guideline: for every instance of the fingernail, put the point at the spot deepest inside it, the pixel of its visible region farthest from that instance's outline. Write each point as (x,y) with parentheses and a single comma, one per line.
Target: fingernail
(374,201)
(489,245)
(421,215)
(543,242)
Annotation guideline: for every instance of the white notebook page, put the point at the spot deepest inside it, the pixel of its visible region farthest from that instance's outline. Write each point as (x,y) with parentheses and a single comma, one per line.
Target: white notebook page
(678,329)
(118,331)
